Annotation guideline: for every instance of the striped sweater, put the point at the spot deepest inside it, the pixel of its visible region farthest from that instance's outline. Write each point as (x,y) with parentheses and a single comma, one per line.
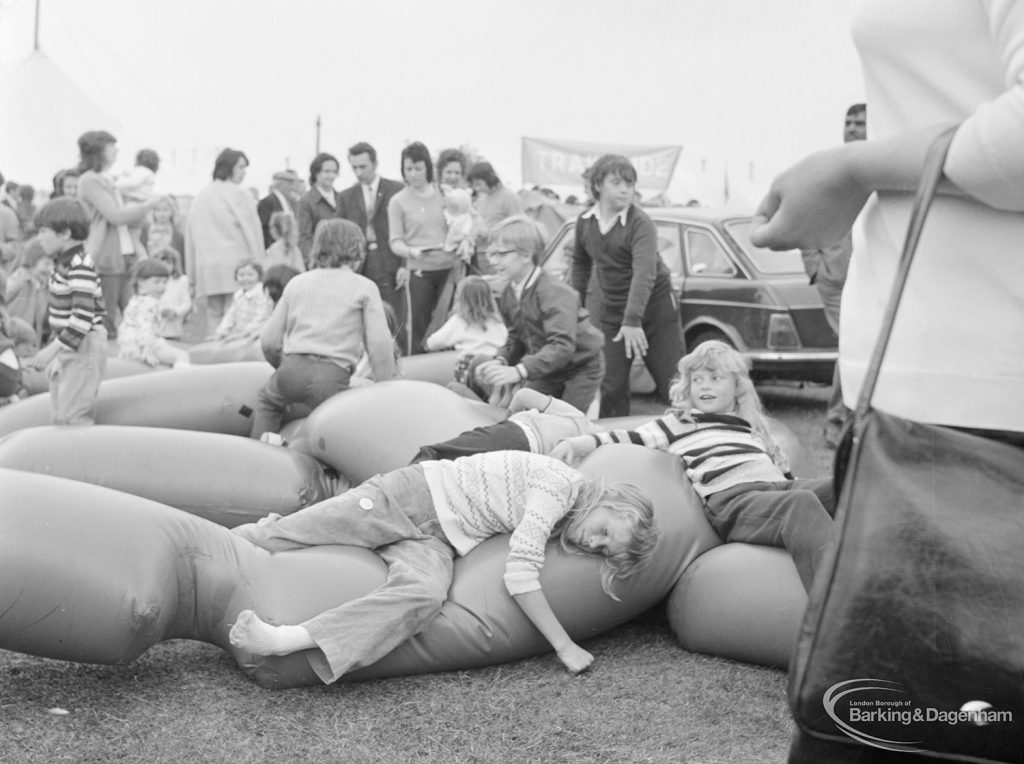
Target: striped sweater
(515,492)
(76,302)
(719,451)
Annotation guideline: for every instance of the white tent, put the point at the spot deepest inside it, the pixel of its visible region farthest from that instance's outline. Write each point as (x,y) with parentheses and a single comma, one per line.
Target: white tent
(43,114)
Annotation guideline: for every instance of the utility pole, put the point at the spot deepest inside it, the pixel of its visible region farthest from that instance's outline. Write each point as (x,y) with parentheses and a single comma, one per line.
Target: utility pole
(317,134)
(35,42)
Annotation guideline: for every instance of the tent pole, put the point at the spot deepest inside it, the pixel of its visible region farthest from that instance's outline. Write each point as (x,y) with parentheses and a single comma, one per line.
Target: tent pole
(35,43)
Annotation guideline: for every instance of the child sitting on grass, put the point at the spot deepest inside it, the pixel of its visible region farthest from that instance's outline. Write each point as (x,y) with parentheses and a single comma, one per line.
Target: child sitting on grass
(419,519)
(716,427)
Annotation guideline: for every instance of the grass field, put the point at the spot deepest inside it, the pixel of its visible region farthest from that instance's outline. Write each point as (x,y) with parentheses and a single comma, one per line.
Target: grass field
(645,700)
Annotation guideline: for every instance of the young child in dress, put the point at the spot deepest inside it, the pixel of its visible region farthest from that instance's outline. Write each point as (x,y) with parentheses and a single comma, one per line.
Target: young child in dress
(475,327)
(285,249)
(175,302)
(419,518)
(715,425)
(536,423)
(10,363)
(250,306)
(458,214)
(138,337)
(136,184)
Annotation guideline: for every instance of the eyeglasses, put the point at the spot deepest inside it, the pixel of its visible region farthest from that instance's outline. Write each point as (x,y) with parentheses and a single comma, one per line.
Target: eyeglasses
(500,252)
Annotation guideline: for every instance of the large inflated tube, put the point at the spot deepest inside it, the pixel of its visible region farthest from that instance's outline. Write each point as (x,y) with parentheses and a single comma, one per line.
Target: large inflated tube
(739,601)
(37,382)
(223,478)
(96,575)
(374,429)
(226,351)
(216,398)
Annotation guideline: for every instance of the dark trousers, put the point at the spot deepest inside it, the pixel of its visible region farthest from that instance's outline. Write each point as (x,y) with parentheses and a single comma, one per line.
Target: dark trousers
(301,378)
(421,295)
(665,348)
(503,436)
(793,514)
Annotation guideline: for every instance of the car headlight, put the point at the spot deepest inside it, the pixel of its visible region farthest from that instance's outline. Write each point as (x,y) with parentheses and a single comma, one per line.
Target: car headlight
(782,332)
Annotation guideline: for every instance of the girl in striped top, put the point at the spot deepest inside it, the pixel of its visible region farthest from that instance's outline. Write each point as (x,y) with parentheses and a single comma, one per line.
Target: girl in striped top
(716,426)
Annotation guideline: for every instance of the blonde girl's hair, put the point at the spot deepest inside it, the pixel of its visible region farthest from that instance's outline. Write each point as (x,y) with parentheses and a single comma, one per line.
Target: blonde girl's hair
(626,501)
(474,302)
(715,355)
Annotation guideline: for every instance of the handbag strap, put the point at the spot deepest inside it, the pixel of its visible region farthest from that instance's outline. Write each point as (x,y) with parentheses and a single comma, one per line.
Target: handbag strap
(931,174)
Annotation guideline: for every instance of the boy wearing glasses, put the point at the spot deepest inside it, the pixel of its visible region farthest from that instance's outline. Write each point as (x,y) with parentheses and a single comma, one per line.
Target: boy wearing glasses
(552,347)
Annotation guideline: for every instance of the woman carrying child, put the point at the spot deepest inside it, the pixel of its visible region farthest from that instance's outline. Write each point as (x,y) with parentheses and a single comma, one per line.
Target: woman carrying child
(321,324)
(474,329)
(285,250)
(419,519)
(139,336)
(715,425)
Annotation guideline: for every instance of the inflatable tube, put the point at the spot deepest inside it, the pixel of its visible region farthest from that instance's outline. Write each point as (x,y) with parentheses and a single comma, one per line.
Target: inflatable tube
(368,430)
(741,602)
(223,478)
(438,368)
(37,382)
(226,351)
(96,575)
(216,398)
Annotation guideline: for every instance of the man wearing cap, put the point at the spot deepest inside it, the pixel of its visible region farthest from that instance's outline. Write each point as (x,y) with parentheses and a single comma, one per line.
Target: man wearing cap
(366,204)
(279,198)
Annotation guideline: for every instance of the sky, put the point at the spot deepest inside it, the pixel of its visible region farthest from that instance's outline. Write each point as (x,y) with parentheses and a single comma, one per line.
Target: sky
(746,87)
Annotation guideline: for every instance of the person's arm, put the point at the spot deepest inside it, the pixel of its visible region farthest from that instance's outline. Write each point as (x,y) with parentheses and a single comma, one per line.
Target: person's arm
(272,334)
(658,434)
(559,316)
(444,337)
(380,347)
(538,610)
(396,230)
(91,190)
(526,399)
(644,251)
(581,264)
(815,202)
(306,224)
(548,494)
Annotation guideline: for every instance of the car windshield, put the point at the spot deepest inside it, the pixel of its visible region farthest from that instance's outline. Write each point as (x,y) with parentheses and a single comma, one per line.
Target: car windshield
(765,260)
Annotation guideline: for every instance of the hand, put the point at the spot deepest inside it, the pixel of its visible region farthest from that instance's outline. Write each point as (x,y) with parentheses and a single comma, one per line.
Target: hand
(812,204)
(43,358)
(572,450)
(415,251)
(494,373)
(401,278)
(575,658)
(634,339)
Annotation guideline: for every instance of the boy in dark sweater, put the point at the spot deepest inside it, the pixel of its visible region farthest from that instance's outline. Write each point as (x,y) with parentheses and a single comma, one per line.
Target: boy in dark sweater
(552,347)
(638,313)
(75,358)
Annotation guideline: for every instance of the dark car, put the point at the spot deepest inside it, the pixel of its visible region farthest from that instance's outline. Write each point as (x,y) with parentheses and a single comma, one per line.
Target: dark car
(758,301)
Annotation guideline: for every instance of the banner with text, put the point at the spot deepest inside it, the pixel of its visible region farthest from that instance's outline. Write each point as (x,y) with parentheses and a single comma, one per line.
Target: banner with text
(561,163)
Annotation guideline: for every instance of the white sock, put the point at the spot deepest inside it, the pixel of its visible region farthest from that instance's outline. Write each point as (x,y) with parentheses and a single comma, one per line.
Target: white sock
(255,635)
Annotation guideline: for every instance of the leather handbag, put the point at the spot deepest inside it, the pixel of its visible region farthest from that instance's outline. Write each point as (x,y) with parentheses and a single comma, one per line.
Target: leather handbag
(913,639)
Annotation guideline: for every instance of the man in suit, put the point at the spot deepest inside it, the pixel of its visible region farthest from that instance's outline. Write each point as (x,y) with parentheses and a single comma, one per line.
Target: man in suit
(366,205)
(281,197)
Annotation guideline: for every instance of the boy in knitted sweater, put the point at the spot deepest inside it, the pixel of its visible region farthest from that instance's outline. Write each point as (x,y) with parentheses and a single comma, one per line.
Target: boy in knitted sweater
(419,518)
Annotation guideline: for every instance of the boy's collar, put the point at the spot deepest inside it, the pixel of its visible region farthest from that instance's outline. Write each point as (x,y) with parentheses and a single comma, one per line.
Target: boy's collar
(595,212)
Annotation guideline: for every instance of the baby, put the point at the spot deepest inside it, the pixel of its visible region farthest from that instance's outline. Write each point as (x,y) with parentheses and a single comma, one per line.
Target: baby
(458,214)
(136,184)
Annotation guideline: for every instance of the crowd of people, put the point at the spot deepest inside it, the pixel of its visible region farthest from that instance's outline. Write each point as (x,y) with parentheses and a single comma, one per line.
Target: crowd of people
(451,253)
